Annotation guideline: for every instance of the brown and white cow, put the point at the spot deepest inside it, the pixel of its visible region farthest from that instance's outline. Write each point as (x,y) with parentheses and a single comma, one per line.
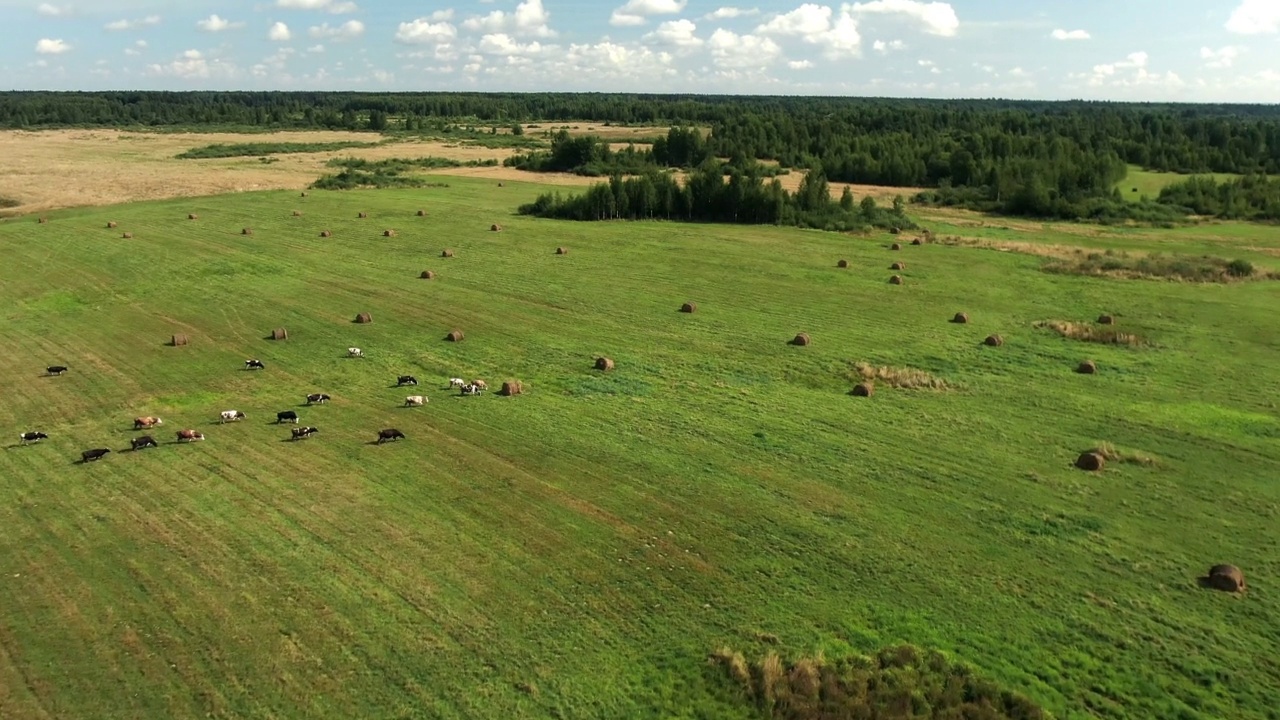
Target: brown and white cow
(146,422)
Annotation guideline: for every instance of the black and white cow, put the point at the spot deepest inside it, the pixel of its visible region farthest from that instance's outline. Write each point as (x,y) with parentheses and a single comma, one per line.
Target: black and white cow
(34,436)
(287,416)
(56,369)
(254,365)
(303,433)
(231,416)
(406,380)
(94,455)
(145,441)
(472,389)
(389,435)
(317,398)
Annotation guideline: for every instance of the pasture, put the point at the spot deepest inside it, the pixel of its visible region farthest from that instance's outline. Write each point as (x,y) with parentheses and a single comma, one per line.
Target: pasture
(579,550)
(1140,184)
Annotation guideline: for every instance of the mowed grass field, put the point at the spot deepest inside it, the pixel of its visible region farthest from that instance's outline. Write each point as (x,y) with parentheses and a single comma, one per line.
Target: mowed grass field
(1139,183)
(578,551)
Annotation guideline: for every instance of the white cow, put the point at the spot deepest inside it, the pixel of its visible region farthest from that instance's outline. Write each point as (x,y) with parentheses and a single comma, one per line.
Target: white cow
(355,352)
(231,416)
(456,382)
(480,384)
(415,401)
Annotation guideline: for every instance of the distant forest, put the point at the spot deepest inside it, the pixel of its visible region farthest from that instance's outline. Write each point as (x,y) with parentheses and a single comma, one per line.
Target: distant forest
(1030,158)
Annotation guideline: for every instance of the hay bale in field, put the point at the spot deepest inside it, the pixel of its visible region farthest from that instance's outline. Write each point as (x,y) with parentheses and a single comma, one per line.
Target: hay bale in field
(1106,320)
(895,280)
(495,228)
(325,233)
(842,264)
(866,389)
(362,215)
(422,213)
(111,226)
(961,318)
(689,307)
(993,341)
(304,194)
(446,253)
(894,231)
(364,318)
(279,334)
(43,220)
(127,236)
(454,336)
(1091,461)
(247,231)
(427,275)
(895,246)
(193,216)
(917,241)
(511,388)
(500,185)
(898,266)
(801,340)
(562,250)
(1088,367)
(604,363)
(1227,578)
(179,340)
(297,213)
(388,233)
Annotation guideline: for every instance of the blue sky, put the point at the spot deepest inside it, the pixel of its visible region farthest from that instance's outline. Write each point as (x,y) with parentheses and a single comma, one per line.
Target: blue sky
(1185,50)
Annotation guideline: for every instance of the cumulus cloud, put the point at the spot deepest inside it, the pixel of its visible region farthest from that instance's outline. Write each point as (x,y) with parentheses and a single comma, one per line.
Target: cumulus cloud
(279,32)
(675,32)
(138,47)
(1070,34)
(213,23)
(935,18)
(45,46)
(50,10)
(192,64)
(118,25)
(733,51)
(528,19)
(728,13)
(813,23)
(1221,58)
(1132,72)
(884,48)
(337,7)
(425,32)
(1255,17)
(348,30)
(799,64)
(635,12)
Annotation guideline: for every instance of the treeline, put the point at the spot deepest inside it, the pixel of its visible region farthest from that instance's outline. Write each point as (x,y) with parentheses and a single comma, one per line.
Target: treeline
(1252,197)
(585,155)
(708,195)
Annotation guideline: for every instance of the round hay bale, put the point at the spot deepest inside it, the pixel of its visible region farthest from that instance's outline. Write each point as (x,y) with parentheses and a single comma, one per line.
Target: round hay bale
(511,388)
(917,241)
(193,216)
(279,334)
(895,246)
(961,318)
(1091,461)
(179,340)
(993,341)
(842,264)
(894,231)
(895,280)
(247,231)
(325,233)
(454,336)
(1106,320)
(127,236)
(427,275)
(562,250)
(801,340)
(364,318)
(446,253)
(500,185)
(1088,367)
(297,213)
(495,228)
(388,233)
(111,226)
(689,307)
(362,215)
(43,220)
(422,213)
(866,389)
(304,194)
(898,266)
(604,363)
(1227,578)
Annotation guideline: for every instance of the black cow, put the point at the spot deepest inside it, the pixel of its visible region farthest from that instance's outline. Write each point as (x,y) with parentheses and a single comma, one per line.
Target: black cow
(287,416)
(254,365)
(304,432)
(93,455)
(145,441)
(317,398)
(56,369)
(406,380)
(389,434)
(34,436)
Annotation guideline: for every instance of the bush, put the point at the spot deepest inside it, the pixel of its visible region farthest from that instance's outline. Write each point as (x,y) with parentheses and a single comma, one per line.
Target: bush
(1240,268)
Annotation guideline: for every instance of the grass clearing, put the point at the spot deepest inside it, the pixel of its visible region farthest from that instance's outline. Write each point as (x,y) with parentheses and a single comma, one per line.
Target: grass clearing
(1088,332)
(1141,184)
(578,551)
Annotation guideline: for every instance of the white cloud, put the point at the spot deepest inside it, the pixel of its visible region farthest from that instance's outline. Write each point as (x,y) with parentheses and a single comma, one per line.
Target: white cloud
(676,32)
(423,31)
(45,46)
(728,13)
(117,25)
(813,23)
(733,51)
(799,64)
(213,23)
(441,15)
(635,12)
(935,18)
(1221,58)
(50,10)
(348,30)
(279,32)
(1132,72)
(192,64)
(138,47)
(528,19)
(1061,34)
(1255,17)
(884,48)
(315,49)
(337,7)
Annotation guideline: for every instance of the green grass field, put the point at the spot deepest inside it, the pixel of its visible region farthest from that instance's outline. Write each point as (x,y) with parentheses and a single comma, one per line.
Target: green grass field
(579,550)
(1139,183)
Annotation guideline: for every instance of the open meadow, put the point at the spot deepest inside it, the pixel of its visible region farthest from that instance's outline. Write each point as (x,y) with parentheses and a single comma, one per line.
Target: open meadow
(580,549)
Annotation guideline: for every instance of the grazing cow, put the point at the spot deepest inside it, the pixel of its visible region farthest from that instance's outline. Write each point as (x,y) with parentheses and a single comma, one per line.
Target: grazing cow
(456,382)
(56,369)
(415,401)
(93,455)
(355,352)
(480,384)
(145,441)
(287,416)
(472,390)
(317,398)
(34,436)
(231,416)
(254,365)
(389,434)
(146,422)
(406,380)
(303,433)
(190,435)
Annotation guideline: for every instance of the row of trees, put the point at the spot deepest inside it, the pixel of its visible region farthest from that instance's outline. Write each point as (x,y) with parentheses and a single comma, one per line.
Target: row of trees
(1252,197)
